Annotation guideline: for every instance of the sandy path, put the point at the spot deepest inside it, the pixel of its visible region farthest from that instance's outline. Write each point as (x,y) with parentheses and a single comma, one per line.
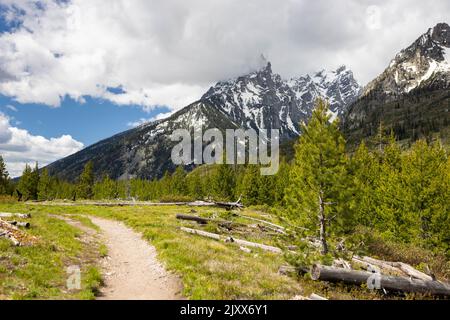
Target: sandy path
(131,270)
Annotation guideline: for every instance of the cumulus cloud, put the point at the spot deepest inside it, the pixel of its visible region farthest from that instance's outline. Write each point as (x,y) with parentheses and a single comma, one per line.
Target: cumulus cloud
(169,52)
(18,147)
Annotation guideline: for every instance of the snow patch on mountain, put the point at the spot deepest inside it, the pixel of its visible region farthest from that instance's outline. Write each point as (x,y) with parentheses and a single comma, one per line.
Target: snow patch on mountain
(264,100)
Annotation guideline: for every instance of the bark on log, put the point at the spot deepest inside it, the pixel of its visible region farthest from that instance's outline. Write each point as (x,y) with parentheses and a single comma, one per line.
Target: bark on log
(8,235)
(193,218)
(314,296)
(202,233)
(230,239)
(20,224)
(264,222)
(341,263)
(222,223)
(392,283)
(17,215)
(406,268)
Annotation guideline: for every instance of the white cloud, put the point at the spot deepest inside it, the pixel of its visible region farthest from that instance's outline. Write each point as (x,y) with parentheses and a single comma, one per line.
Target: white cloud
(141,121)
(169,52)
(11,107)
(18,147)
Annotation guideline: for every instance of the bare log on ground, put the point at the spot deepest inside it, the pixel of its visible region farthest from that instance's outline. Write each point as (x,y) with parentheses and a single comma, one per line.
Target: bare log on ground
(222,223)
(273,225)
(314,296)
(230,239)
(341,263)
(17,215)
(20,224)
(15,235)
(193,218)
(391,283)
(202,233)
(404,267)
(8,235)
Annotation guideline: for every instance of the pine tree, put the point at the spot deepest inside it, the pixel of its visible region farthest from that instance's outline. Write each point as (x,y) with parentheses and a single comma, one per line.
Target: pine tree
(426,184)
(4,178)
(25,185)
(86,182)
(389,195)
(44,186)
(223,182)
(35,181)
(250,184)
(105,189)
(195,186)
(318,176)
(179,186)
(365,170)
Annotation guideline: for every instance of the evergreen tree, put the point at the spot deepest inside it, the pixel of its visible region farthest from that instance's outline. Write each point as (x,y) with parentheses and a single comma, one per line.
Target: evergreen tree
(223,182)
(427,187)
(389,195)
(34,182)
(179,186)
(281,183)
(105,189)
(44,186)
(86,182)
(364,168)
(195,185)
(25,185)
(4,178)
(250,184)
(318,176)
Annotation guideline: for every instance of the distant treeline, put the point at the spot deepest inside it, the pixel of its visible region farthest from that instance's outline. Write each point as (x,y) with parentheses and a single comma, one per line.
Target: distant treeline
(400,194)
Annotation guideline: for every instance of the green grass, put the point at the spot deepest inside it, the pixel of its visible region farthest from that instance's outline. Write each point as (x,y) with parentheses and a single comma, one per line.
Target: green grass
(39,271)
(208,269)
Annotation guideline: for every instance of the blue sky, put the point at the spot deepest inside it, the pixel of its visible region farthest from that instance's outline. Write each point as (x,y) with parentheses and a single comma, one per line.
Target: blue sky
(126,58)
(87,122)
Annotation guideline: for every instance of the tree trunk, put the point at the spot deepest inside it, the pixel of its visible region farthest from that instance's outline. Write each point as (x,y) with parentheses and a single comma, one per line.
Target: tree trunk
(322,221)
(392,283)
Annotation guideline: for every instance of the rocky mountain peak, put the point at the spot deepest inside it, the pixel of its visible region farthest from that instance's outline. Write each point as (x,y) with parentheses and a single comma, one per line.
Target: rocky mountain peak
(441,34)
(425,62)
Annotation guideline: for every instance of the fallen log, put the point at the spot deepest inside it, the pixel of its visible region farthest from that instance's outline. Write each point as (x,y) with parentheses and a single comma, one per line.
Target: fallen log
(314,296)
(17,215)
(20,224)
(222,223)
(404,267)
(202,233)
(229,205)
(199,220)
(230,239)
(392,283)
(8,235)
(273,225)
(341,263)
(15,235)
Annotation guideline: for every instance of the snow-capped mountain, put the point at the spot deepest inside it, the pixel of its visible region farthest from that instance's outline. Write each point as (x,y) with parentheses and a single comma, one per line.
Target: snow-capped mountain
(259,100)
(425,62)
(264,100)
(411,96)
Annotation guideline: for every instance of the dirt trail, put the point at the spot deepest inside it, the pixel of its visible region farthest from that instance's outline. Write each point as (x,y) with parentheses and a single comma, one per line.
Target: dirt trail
(131,270)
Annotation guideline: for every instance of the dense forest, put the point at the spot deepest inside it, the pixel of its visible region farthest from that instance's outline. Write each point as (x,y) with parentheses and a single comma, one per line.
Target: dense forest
(401,194)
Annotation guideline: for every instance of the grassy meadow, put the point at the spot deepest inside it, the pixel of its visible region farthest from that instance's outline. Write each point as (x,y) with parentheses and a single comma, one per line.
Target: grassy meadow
(209,269)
